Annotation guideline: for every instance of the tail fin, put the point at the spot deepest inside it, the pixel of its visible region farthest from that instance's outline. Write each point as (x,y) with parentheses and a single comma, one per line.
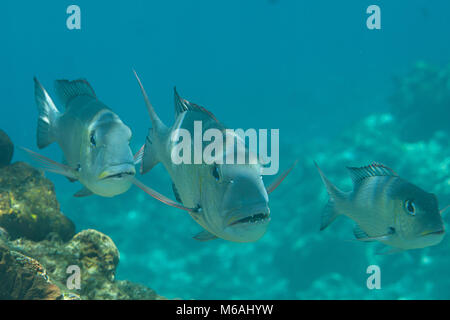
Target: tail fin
(48,115)
(330,212)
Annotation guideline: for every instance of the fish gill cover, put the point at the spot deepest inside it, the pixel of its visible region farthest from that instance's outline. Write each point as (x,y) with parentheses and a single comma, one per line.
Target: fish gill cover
(341,94)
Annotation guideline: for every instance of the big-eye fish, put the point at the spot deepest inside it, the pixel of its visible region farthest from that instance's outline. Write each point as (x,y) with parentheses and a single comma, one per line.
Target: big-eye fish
(94,140)
(229,201)
(386,208)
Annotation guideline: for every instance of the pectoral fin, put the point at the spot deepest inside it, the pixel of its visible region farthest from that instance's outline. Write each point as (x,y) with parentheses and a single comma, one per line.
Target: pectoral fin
(176,193)
(204,236)
(158,196)
(83,193)
(280,179)
(362,236)
(149,154)
(139,155)
(48,164)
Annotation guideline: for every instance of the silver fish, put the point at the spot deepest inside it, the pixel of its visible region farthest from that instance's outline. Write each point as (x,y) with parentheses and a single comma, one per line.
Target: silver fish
(94,140)
(229,201)
(386,208)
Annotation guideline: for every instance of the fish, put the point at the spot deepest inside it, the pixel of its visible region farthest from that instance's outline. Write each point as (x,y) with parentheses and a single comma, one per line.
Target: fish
(229,201)
(93,139)
(386,208)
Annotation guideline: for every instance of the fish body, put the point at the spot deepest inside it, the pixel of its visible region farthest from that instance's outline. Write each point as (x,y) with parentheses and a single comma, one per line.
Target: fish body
(229,201)
(225,193)
(386,208)
(93,139)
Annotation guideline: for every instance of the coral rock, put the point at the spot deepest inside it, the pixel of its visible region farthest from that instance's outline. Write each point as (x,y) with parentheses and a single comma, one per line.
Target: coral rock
(96,256)
(28,205)
(24,278)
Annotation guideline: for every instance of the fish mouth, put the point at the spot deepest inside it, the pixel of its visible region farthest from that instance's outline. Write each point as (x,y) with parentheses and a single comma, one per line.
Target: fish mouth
(254,219)
(118,172)
(429,233)
(261,216)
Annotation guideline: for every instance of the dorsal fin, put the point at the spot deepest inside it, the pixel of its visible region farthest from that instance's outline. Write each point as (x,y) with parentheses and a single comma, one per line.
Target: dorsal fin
(67,90)
(182,105)
(373,170)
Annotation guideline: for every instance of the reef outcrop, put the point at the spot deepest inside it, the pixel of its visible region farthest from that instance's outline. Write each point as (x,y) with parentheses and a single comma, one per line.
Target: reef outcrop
(22,277)
(91,252)
(28,205)
(420,101)
(41,257)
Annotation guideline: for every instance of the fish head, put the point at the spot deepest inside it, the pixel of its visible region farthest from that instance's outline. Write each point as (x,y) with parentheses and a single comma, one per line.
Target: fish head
(235,197)
(418,219)
(109,160)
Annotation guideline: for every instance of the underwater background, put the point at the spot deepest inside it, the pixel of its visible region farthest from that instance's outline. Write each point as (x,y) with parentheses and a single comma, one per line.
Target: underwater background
(341,94)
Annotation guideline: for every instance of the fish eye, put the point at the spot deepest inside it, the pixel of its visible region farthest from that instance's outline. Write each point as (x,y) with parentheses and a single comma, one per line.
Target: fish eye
(410,207)
(92,139)
(215,172)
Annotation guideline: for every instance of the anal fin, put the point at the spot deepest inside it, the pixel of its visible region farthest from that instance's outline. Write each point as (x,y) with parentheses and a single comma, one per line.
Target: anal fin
(204,236)
(83,193)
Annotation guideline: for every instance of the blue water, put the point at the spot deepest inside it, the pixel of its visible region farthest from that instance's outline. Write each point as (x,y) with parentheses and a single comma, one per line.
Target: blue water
(311,69)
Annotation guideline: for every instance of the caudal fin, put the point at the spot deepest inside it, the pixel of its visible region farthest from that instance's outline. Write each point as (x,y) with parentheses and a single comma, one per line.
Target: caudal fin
(330,211)
(48,116)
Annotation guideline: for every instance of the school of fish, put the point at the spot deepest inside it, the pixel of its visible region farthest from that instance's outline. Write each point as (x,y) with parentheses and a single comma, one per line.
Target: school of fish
(228,201)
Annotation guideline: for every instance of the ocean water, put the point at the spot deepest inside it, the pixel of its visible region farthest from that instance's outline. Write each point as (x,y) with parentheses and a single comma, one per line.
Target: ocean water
(312,69)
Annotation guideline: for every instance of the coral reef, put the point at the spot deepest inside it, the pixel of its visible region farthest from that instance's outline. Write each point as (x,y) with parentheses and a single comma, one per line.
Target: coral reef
(6,149)
(39,251)
(420,102)
(28,205)
(93,253)
(24,278)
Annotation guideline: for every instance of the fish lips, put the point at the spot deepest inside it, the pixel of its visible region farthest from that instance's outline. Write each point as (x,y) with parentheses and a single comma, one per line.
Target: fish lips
(433,233)
(430,238)
(118,172)
(248,216)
